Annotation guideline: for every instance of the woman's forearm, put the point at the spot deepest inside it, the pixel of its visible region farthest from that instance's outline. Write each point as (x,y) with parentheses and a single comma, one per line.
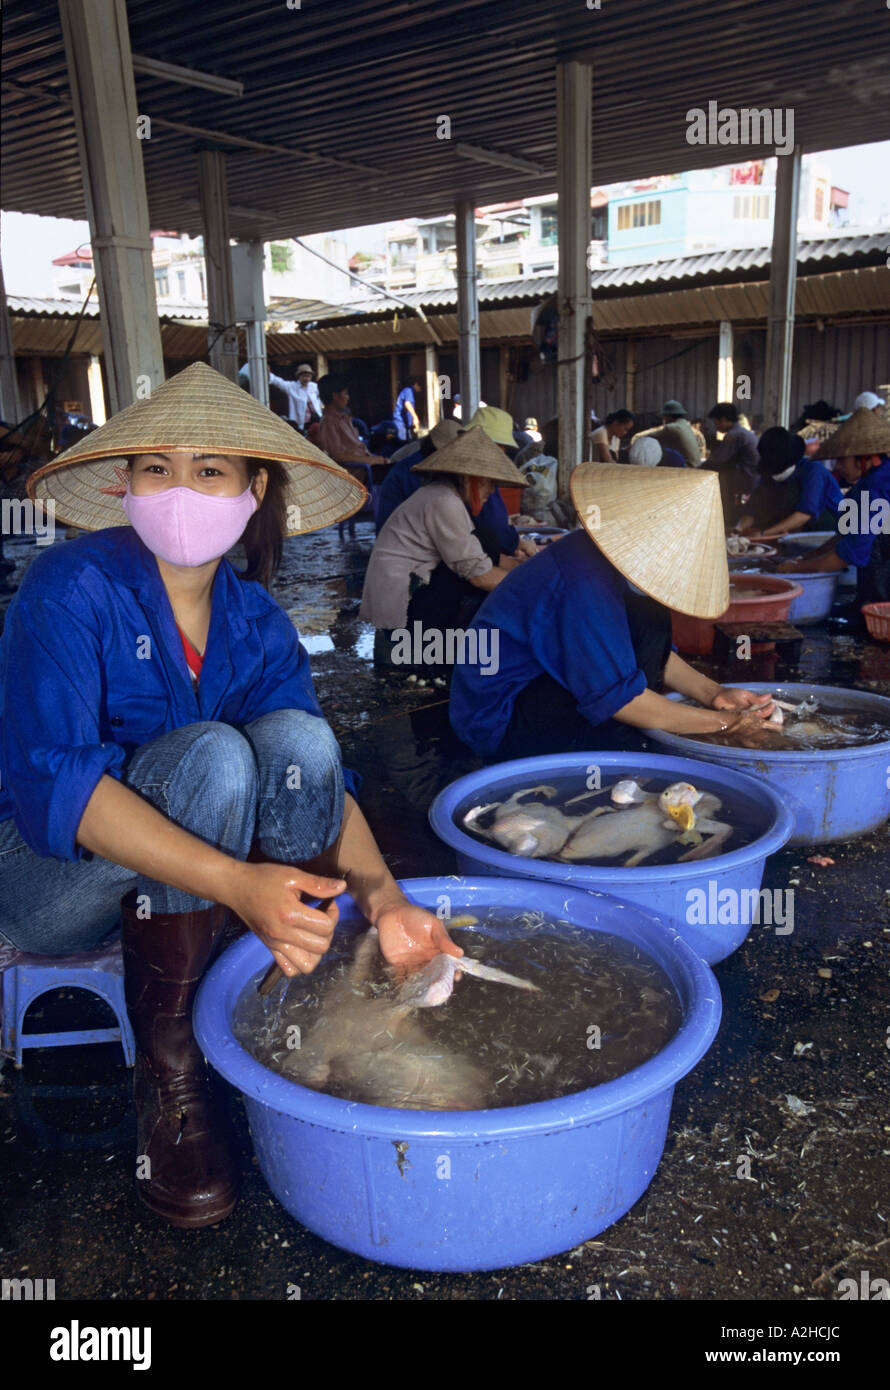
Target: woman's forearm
(788,523)
(825,559)
(122,827)
(653,711)
(355,857)
(680,676)
(490,579)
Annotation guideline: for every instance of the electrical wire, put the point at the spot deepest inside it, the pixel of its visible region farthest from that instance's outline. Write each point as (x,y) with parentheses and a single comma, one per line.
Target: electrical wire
(387,294)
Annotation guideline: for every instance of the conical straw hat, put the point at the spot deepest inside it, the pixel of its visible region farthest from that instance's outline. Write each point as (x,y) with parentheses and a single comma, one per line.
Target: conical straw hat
(818,429)
(475,455)
(863,433)
(662,528)
(200,410)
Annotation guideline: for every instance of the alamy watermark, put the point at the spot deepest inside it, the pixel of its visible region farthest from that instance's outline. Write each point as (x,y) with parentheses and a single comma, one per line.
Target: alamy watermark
(27,1290)
(863,516)
(730,125)
(453,646)
(22,517)
(733,907)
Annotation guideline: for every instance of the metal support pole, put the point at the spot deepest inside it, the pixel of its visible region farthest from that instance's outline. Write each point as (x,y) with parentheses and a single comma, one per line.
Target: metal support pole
(103,94)
(725,369)
(98,414)
(504,377)
(433,404)
(574,93)
(250,309)
(469,368)
(222,335)
(10,404)
(630,375)
(782,284)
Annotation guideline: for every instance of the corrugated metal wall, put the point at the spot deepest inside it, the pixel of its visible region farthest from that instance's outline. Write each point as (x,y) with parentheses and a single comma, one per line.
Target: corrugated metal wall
(683,369)
(839,363)
(834,365)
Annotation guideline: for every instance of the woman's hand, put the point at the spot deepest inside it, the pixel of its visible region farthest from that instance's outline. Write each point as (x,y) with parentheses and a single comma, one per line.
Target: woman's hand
(748,729)
(526,547)
(411,935)
(729,698)
(267,899)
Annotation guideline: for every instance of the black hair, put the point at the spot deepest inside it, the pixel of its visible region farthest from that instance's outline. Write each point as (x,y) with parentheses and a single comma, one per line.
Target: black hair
(818,410)
(550,436)
(724,410)
(263,536)
(779,449)
(620,417)
(331,385)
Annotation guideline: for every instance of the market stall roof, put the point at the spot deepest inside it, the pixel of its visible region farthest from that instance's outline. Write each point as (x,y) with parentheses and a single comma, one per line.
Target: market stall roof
(344,103)
(843,280)
(729,266)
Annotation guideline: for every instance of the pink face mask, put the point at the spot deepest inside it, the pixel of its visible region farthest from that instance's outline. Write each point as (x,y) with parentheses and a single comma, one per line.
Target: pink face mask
(185,527)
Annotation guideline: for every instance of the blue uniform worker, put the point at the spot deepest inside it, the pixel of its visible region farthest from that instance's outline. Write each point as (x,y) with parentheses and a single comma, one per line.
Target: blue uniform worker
(864,533)
(85,699)
(574,644)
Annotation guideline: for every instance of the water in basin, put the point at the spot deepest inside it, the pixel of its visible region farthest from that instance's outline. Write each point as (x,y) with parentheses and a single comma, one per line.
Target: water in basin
(601,1008)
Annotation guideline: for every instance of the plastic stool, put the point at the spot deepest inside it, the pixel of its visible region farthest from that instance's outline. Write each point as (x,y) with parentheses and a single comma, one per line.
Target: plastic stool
(24,977)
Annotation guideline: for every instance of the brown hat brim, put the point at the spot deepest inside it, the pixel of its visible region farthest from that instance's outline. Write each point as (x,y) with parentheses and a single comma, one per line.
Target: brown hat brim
(473,454)
(863,433)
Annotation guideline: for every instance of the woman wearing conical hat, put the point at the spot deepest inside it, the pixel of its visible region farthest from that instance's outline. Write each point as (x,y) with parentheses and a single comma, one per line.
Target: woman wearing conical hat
(580,636)
(861,447)
(428,565)
(159,725)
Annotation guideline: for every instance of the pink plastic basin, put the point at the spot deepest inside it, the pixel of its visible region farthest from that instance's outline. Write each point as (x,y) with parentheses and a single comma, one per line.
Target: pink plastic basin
(695,636)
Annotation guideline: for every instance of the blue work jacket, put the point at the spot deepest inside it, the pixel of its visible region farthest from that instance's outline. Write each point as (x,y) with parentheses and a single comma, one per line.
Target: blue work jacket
(92,667)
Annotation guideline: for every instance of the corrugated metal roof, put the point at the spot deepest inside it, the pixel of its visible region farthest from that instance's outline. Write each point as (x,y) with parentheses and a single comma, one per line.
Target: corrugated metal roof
(837,295)
(871,248)
(69,308)
(349,92)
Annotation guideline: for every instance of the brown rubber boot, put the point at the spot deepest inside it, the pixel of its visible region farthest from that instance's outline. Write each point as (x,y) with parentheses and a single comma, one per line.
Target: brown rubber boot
(187,1167)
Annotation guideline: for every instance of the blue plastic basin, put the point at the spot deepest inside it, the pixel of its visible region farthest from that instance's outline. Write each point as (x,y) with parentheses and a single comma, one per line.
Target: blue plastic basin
(815,602)
(833,794)
(673,890)
(466,1190)
(801,541)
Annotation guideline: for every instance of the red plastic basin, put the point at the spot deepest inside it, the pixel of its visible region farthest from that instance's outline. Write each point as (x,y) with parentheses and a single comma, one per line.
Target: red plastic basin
(695,636)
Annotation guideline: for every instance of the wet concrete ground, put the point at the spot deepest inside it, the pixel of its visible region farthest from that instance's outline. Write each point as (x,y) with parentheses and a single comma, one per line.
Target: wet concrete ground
(773,1184)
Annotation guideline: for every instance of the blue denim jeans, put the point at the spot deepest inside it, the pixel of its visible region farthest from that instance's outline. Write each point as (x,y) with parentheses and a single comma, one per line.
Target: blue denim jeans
(276,781)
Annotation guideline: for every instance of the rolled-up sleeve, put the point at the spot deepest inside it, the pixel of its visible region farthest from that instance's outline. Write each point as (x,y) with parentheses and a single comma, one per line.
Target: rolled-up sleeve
(584,642)
(818,491)
(286,681)
(52,751)
(451,532)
